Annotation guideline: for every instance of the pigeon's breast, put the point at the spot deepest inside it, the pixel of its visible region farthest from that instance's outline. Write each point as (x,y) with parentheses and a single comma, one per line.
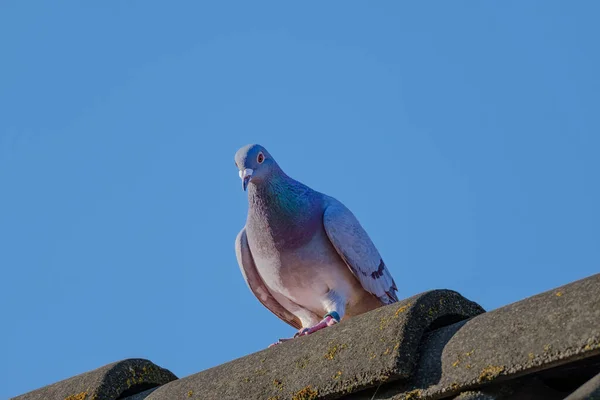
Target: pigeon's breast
(306,273)
(279,247)
(269,233)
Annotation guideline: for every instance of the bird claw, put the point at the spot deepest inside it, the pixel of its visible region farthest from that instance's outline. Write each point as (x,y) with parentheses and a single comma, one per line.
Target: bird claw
(327,321)
(301,332)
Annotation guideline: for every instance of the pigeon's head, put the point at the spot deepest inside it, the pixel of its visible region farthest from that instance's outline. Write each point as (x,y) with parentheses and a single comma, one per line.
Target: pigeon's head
(255,164)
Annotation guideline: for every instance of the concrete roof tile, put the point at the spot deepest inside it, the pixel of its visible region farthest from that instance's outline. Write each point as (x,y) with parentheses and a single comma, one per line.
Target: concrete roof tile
(109,382)
(379,346)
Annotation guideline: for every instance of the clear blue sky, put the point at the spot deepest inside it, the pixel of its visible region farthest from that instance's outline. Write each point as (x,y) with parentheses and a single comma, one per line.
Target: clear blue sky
(464,136)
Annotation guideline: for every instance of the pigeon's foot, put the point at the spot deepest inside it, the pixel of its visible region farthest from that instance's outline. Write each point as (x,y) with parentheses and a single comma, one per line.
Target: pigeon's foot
(330,319)
(325,322)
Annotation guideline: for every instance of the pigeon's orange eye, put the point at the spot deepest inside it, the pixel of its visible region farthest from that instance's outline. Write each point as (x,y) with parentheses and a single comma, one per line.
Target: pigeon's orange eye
(260,158)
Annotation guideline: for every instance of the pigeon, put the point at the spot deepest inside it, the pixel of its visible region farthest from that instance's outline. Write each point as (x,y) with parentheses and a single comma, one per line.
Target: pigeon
(302,253)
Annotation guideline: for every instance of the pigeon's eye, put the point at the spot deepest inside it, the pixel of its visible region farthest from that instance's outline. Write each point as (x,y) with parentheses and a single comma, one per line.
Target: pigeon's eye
(260,158)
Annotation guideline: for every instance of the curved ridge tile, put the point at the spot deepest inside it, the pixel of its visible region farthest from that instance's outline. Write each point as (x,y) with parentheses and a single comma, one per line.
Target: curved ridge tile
(366,350)
(109,382)
(552,330)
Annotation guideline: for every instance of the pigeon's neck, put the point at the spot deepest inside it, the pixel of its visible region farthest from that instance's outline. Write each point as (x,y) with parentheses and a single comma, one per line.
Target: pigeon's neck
(285,208)
(280,196)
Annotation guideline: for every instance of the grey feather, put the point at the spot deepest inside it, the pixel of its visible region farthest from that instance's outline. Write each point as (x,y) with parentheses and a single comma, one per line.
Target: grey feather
(358,251)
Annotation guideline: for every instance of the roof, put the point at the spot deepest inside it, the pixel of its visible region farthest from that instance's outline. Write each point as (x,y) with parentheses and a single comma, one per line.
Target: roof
(112,381)
(434,345)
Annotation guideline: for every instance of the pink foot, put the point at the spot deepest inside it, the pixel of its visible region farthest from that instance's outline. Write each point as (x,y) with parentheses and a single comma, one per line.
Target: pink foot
(325,322)
(329,320)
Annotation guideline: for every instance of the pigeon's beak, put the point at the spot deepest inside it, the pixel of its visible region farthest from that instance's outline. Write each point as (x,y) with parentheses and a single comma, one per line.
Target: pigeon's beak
(245,176)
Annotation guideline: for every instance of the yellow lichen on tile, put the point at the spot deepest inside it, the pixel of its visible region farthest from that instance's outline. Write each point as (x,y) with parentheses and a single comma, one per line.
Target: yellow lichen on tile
(383,323)
(307,393)
(490,372)
(413,394)
(278,384)
(460,359)
(190,393)
(401,310)
(333,350)
(558,294)
(78,396)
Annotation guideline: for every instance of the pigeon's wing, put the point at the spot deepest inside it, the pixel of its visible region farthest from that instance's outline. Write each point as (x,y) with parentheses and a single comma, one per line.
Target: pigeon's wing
(358,251)
(256,284)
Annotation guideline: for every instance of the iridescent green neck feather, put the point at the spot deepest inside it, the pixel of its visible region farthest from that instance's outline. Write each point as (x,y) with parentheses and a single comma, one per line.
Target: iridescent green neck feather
(290,211)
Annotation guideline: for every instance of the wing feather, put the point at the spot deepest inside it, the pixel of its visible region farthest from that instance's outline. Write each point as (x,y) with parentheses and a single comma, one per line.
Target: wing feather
(358,251)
